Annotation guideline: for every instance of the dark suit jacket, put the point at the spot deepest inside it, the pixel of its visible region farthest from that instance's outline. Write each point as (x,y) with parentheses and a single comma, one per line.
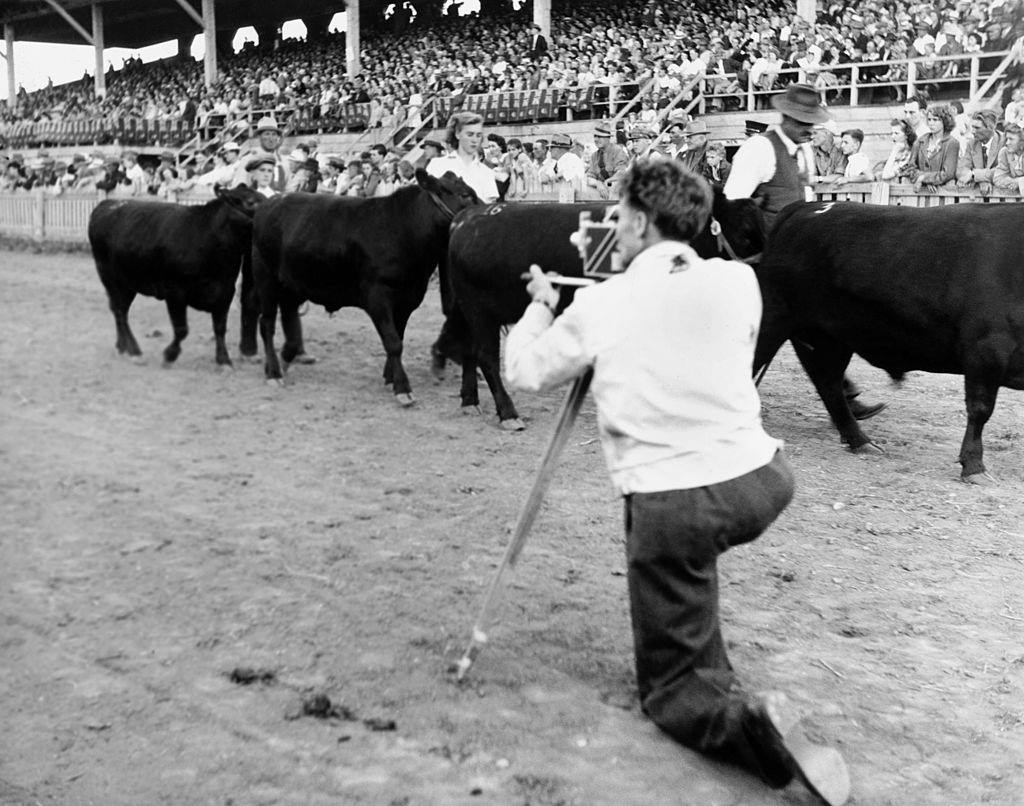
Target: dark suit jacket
(973,159)
(538,46)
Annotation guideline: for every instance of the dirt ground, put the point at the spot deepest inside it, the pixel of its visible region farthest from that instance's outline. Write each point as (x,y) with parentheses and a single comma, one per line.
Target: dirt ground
(161,528)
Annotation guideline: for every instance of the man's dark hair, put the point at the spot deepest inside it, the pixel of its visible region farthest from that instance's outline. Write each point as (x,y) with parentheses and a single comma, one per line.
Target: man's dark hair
(856,134)
(380,149)
(920,100)
(677,200)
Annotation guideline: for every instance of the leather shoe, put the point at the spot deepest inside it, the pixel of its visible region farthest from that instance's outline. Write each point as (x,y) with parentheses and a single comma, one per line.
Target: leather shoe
(819,768)
(865,411)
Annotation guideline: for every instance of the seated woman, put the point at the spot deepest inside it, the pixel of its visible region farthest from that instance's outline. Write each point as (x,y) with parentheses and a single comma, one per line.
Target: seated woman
(934,156)
(897,165)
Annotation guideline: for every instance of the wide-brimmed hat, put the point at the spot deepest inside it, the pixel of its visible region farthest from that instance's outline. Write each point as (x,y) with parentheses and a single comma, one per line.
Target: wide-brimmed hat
(801,102)
(259,160)
(641,134)
(696,127)
(167,156)
(298,155)
(432,144)
(267,124)
(561,141)
(602,130)
(754,127)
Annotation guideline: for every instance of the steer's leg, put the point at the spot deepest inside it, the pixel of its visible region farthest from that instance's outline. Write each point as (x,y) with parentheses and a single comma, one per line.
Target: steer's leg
(268,317)
(489,355)
(825,363)
(980,397)
(120,302)
(380,307)
(220,330)
(250,305)
(291,326)
(178,311)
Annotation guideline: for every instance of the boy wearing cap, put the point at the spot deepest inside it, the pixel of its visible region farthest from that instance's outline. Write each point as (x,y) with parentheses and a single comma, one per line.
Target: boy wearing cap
(607,163)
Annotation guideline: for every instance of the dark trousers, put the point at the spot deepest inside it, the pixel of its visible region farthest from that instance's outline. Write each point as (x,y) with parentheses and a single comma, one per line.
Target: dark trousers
(673,540)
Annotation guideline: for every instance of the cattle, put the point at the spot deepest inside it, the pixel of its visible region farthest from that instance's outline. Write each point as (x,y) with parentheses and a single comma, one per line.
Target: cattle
(937,289)
(375,254)
(187,256)
(492,247)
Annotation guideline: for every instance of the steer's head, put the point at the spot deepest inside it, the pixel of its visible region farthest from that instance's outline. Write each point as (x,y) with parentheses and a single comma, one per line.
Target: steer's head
(241,199)
(448,192)
(740,229)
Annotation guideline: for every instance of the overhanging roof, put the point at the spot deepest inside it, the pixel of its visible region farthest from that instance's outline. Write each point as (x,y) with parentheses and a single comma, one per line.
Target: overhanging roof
(138,23)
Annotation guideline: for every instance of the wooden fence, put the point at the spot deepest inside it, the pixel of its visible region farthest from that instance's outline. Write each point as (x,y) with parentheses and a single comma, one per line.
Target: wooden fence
(41,216)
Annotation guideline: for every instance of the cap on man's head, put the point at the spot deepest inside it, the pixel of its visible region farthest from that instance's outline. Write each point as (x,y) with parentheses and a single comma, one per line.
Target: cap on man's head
(561,141)
(267,124)
(802,103)
(78,159)
(602,130)
(258,161)
(642,134)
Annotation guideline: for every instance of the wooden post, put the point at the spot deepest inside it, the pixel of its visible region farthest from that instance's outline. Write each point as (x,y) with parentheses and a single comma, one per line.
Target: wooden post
(210,36)
(39,215)
(12,87)
(854,75)
(542,17)
(100,80)
(352,64)
(911,77)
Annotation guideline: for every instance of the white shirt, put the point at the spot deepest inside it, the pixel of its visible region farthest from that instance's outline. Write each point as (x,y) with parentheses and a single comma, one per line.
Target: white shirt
(671,347)
(475,174)
(754,164)
(858,165)
(567,168)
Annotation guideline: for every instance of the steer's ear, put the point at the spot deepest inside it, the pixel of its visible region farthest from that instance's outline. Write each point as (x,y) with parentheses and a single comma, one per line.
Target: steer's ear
(219,190)
(424,180)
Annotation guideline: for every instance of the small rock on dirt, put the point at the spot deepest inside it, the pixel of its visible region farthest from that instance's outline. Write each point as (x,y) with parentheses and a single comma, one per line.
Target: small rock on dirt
(246,675)
(379,723)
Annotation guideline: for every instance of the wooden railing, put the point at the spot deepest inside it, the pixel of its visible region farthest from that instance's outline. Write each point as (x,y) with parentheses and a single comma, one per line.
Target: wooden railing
(41,216)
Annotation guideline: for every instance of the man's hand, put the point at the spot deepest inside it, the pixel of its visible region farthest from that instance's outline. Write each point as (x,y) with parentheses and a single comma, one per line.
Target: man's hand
(540,289)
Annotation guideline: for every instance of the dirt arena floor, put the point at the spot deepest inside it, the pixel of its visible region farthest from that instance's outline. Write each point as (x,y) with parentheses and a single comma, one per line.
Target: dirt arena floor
(187,556)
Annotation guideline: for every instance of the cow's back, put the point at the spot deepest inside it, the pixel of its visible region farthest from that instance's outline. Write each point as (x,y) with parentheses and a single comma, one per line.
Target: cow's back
(903,287)
(492,247)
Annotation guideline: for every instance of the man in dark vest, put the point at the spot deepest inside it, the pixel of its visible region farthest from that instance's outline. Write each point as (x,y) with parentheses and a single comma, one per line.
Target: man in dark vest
(778,168)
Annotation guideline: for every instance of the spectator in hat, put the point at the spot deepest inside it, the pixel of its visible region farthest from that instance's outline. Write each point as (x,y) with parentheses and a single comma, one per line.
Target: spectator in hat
(829,160)
(260,169)
(269,134)
(777,167)
(608,162)
(980,152)
(225,171)
(464,136)
(696,138)
(568,169)
(640,142)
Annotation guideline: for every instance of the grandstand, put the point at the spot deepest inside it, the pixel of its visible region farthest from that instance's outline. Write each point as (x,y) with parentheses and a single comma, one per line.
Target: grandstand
(650,62)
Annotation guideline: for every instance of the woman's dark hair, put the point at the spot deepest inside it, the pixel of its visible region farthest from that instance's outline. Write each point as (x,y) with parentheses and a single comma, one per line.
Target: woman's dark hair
(908,130)
(945,114)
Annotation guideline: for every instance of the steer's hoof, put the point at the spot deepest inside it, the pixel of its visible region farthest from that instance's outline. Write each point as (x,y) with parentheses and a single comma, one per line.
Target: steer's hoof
(304,358)
(868,449)
(513,424)
(138,360)
(983,479)
(405,400)
(275,382)
(472,410)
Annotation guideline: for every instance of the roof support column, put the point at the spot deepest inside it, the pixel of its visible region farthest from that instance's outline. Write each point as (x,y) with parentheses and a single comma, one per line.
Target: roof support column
(806,10)
(12,97)
(352,40)
(100,80)
(210,35)
(542,16)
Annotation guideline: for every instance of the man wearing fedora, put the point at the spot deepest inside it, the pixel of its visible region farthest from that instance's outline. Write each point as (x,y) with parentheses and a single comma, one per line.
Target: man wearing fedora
(567,169)
(694,156)
(777,167)
(607,163)
(269,146)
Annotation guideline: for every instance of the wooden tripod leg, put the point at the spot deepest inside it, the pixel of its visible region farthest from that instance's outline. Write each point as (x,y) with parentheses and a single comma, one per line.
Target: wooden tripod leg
(528,513)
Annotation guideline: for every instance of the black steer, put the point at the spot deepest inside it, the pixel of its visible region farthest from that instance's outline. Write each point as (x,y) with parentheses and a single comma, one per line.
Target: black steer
(492,247)
(937,289)
(375,254)
(188,256)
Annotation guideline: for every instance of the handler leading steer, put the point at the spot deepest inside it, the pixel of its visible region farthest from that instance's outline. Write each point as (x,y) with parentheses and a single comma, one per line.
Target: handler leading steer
(671,343)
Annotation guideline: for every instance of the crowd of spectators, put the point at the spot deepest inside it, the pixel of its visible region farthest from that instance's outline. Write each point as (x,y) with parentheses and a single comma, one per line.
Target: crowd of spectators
(601,43)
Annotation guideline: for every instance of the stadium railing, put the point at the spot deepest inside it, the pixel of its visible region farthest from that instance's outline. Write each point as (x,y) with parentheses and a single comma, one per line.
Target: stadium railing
(40,216)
